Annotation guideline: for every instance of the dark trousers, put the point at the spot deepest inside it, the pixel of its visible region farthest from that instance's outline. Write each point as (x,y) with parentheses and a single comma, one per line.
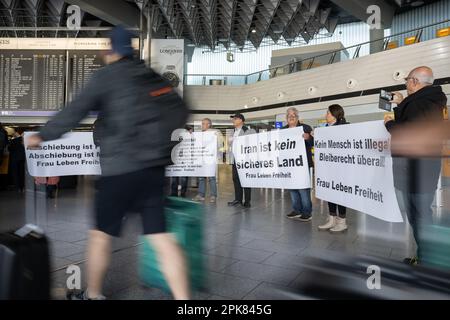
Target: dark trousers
(174,182)
(238,190)
(417,207)
(18,174)
(333,208)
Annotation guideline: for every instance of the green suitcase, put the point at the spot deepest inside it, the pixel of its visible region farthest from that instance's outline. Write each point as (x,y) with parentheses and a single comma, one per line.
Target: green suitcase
(185,220)
(435,247)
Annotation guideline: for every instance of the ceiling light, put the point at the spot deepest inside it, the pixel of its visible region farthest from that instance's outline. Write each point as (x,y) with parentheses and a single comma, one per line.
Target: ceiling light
(417,3)
(254,31)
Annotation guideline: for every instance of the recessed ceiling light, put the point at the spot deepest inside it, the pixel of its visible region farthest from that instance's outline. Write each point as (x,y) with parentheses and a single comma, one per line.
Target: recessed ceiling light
(254,31)
(191,45)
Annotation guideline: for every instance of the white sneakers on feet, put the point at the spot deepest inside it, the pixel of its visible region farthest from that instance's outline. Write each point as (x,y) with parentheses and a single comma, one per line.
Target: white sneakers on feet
(334,224)
(199,198)
(341,225)
(331,222)
(212,200)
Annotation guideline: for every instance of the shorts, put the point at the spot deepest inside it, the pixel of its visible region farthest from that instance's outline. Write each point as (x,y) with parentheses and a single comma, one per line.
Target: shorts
(141,191)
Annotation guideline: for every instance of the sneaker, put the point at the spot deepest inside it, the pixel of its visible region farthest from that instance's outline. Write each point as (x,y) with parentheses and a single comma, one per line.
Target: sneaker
(213,200)
(411,261)
(341,225)
(199,198)
(293,215)
(82,295)
(331,223)
(304,218)
(234,203)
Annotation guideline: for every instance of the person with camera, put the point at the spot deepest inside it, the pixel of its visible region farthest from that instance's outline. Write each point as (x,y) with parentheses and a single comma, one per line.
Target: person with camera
(415,178)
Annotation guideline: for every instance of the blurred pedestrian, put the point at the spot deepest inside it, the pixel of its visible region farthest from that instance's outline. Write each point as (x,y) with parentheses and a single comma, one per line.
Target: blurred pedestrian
(17,160)
(140,110)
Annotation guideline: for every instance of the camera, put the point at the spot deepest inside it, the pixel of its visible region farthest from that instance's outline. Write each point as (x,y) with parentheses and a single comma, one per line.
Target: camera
(386,95)
(386,100)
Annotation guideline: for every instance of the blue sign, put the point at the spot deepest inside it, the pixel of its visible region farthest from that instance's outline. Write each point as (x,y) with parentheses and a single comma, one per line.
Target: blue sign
(278,125)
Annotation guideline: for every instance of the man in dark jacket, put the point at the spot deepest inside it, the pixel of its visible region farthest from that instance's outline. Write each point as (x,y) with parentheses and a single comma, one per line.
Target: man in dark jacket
(416,179)
(17,161)
(139,112)
(3,141)
(301,199)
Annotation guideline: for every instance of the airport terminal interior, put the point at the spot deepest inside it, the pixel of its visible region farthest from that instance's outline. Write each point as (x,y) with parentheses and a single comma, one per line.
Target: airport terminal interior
(234,61)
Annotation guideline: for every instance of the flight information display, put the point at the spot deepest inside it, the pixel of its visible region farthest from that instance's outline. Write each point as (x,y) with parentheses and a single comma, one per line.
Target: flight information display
(82,64)
(32,80)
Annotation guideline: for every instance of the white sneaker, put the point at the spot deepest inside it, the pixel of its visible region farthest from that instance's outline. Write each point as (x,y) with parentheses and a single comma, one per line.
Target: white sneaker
(341,225)
(199,198)
(331,223)
(212,200)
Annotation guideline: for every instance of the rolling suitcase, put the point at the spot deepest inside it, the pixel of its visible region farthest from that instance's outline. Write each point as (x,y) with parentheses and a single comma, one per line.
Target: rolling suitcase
(436,247)
(185,220)
(24,255)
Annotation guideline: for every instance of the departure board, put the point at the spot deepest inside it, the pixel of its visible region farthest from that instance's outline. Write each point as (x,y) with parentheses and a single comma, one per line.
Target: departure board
(32,80)
(82,64)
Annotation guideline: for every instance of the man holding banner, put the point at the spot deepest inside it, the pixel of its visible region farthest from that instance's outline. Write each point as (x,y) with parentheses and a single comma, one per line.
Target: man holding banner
(239,130)
(301,198)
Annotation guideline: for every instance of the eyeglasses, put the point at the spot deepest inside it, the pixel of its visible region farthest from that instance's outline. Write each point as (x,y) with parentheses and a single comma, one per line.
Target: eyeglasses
(409,78)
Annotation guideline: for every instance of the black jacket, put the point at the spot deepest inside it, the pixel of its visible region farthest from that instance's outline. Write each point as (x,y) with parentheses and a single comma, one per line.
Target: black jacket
(3,142)
(308,143)
(139,111)
(418,175)
(16,150)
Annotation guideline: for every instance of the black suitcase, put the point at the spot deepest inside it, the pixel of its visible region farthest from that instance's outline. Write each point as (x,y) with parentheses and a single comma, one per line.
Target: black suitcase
(24,256)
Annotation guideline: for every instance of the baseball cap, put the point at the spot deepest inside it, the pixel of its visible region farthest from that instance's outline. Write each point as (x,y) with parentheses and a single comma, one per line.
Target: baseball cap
(239,116)
(121,40)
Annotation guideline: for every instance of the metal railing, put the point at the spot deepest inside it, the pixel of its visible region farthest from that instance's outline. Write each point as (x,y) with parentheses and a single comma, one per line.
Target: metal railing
(390,42)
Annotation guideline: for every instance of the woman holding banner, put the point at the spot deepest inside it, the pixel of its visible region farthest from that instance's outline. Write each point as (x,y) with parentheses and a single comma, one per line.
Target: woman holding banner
(335,223)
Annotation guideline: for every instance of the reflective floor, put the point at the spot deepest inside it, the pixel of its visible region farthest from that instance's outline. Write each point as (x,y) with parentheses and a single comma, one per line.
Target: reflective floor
(252,253)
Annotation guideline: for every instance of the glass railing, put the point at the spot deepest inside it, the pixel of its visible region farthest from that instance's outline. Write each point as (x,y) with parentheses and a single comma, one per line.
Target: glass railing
(363,49)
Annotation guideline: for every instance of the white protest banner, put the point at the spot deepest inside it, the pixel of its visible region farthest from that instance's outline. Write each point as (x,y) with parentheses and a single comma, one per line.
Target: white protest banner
(195,155)
(353,166)
(74,154)
(275,159)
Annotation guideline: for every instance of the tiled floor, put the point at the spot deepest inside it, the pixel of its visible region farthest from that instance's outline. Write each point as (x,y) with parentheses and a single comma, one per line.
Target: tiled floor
(255,253)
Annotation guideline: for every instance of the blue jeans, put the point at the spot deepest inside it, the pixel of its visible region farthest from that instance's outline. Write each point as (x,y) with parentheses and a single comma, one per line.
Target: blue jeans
(301,201)
(417,207)
(212,186)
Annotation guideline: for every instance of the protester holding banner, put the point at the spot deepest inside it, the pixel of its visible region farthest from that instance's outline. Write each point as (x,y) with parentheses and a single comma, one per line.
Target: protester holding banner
(240,129)
(207,126)
(416,179)
(301,199)
(17,161)
(175,182)
(335,223)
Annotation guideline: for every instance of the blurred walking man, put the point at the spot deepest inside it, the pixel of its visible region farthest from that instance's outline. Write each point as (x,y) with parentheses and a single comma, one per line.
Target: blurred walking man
(139,112)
